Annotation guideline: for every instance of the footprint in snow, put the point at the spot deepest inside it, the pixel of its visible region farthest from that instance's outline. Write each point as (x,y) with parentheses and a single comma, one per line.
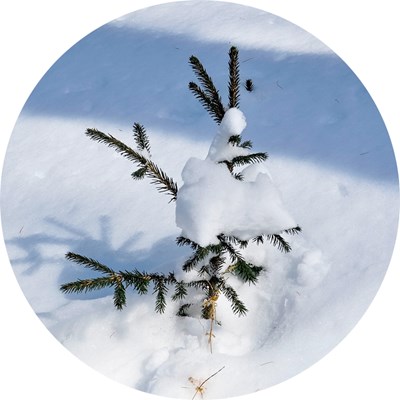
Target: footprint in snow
(158,358)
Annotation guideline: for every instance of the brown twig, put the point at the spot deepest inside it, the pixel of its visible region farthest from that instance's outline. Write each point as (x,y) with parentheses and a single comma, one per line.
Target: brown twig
(212,303)
(200,388)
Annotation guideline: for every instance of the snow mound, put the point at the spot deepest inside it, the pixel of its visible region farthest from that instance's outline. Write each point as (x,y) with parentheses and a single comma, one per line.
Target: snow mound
(211,201)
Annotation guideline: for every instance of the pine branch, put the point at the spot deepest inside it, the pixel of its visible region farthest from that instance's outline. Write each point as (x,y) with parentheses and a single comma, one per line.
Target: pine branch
(118,146)
(279,242)
(248,159)
(119,296)
(226,243)
(203,77)
(206,102)
(293,231)
(204,270)
(241,161)
(235,140)
(139,280)
(200,254)
(213,267)
(139,174)
(228,164)
(202,284)
(87,285)
(248,144)
(236,304)
(259,239)
(208,95)
(238,176)
(216,263)
(121,280)
(236,241)
(141,138)
(180,291)
(183,310)
(182,241)
(246,271)
(234,80)
(159,178)
(160,290)
(88,263)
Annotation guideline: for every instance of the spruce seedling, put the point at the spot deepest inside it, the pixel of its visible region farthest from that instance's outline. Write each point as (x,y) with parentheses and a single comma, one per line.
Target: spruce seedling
(214,262)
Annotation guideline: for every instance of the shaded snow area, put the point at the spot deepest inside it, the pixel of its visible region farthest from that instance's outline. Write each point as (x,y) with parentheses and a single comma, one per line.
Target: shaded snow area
(331,170)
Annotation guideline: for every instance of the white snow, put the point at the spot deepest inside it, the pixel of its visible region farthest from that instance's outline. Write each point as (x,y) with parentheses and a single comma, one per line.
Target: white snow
(233,124)
(331,161)
(283,36)
(211,201)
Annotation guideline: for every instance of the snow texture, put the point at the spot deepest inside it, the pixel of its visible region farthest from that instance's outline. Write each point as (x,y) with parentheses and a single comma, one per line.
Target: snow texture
(211,201)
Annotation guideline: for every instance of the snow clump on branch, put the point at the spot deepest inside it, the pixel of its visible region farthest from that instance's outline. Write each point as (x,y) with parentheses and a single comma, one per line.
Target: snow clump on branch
(211,201)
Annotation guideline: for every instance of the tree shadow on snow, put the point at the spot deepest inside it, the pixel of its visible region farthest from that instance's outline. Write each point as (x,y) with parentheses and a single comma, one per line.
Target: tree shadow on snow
(163,256)
(303,106)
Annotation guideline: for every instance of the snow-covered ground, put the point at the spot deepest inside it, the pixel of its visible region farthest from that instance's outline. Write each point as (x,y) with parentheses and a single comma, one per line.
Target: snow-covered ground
(329,155)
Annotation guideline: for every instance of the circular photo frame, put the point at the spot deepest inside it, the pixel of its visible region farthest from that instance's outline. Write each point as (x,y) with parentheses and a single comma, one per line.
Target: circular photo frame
(200,199)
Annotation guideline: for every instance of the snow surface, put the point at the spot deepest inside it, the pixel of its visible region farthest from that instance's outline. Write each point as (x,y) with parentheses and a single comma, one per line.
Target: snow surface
(330,156)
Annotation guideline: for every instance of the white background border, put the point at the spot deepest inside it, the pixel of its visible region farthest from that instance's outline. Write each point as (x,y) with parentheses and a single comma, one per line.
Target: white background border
(34,34)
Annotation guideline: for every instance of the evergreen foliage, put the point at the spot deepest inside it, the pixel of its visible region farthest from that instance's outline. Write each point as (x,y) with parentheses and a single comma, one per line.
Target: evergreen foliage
(213,263)
(208,95)
(146,167)
(234,80)
(249,86)
(141,138)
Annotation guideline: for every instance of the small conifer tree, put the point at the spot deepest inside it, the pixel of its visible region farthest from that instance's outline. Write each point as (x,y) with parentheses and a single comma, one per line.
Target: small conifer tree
(213,262)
